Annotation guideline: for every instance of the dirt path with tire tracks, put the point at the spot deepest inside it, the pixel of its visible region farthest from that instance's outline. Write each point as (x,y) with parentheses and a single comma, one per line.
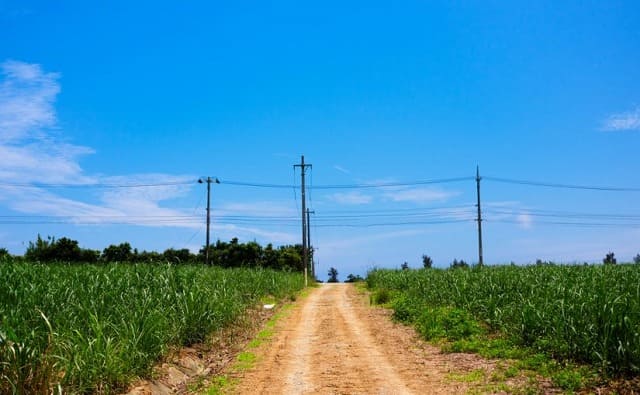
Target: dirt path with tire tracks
(332,342)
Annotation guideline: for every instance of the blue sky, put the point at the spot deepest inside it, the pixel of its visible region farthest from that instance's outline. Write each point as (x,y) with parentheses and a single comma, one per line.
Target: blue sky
(97,99)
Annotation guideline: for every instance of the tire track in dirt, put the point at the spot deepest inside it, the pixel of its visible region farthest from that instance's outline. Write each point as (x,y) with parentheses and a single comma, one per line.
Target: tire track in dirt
(323,348)
(333,342)
(366,368)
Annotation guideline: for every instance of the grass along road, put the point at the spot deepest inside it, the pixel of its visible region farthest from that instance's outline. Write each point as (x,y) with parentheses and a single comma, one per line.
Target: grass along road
(81,328)
(333,342)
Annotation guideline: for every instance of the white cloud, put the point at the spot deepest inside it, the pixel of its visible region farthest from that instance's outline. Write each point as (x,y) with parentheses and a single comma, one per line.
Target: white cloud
(355,198)
(118,207)
(458,213)
(524,220)
(43,163)
(174,186)
(247,233)
(224,216)
(341,169)
(623,121)
(419,195)
(509,211)
(380,181)
(38,201)
(27,95)
(140,202)
(258,208)
(338,245)
(32,152)
(29,150)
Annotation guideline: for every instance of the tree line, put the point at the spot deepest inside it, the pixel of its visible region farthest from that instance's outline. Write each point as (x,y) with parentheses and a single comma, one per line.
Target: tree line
(224,254)
(427,262)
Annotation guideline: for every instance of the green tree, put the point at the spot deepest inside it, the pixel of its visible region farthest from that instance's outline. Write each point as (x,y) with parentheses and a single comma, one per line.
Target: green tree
(290,258)
(427,262)
(333,275)
(89,256)
(60,250)
(41,250)
(610,259)
(147,257)
(353,279)
(66,250)
(269,257)
(251,254)
(117,253)
(459,264)
(4,253)
(180,256)
(636,259)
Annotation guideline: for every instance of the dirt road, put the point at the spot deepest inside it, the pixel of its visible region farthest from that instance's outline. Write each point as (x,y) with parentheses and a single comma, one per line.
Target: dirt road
(334,343)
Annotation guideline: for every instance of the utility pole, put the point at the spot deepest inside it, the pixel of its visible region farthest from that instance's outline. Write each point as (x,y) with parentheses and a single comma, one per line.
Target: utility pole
(479,219)
(208,180)
(305,260)
(313,269)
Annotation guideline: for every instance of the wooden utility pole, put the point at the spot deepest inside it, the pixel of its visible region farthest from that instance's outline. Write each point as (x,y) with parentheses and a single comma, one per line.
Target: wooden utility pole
(305,253)
(479,219)
(208,180)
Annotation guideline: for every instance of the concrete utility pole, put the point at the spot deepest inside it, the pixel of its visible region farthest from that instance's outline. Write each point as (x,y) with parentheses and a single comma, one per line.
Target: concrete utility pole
(305,259)
(313,268)
(208,180)
(479,219)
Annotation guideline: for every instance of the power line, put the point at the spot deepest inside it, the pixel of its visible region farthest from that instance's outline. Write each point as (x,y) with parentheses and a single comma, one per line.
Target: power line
(402,210)
(382,224)
(349,186)
(186,243)
(332,218)
(256,184)
(326,186)
(575,224)
(560,185)
(344,218)
(319,223)
(564,214)
(96,185)
(356,216)
(395,184)
(113,217)
(338,215)
(88,222)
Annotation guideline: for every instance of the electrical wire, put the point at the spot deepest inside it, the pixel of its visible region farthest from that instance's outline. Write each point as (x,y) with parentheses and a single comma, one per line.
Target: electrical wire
(560,185)
(256,184)
(328,186)
(96,185)
(341,219)
(572,224)
(394,184)
(349,186)
(563,214)
(451,221)
(196,233)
